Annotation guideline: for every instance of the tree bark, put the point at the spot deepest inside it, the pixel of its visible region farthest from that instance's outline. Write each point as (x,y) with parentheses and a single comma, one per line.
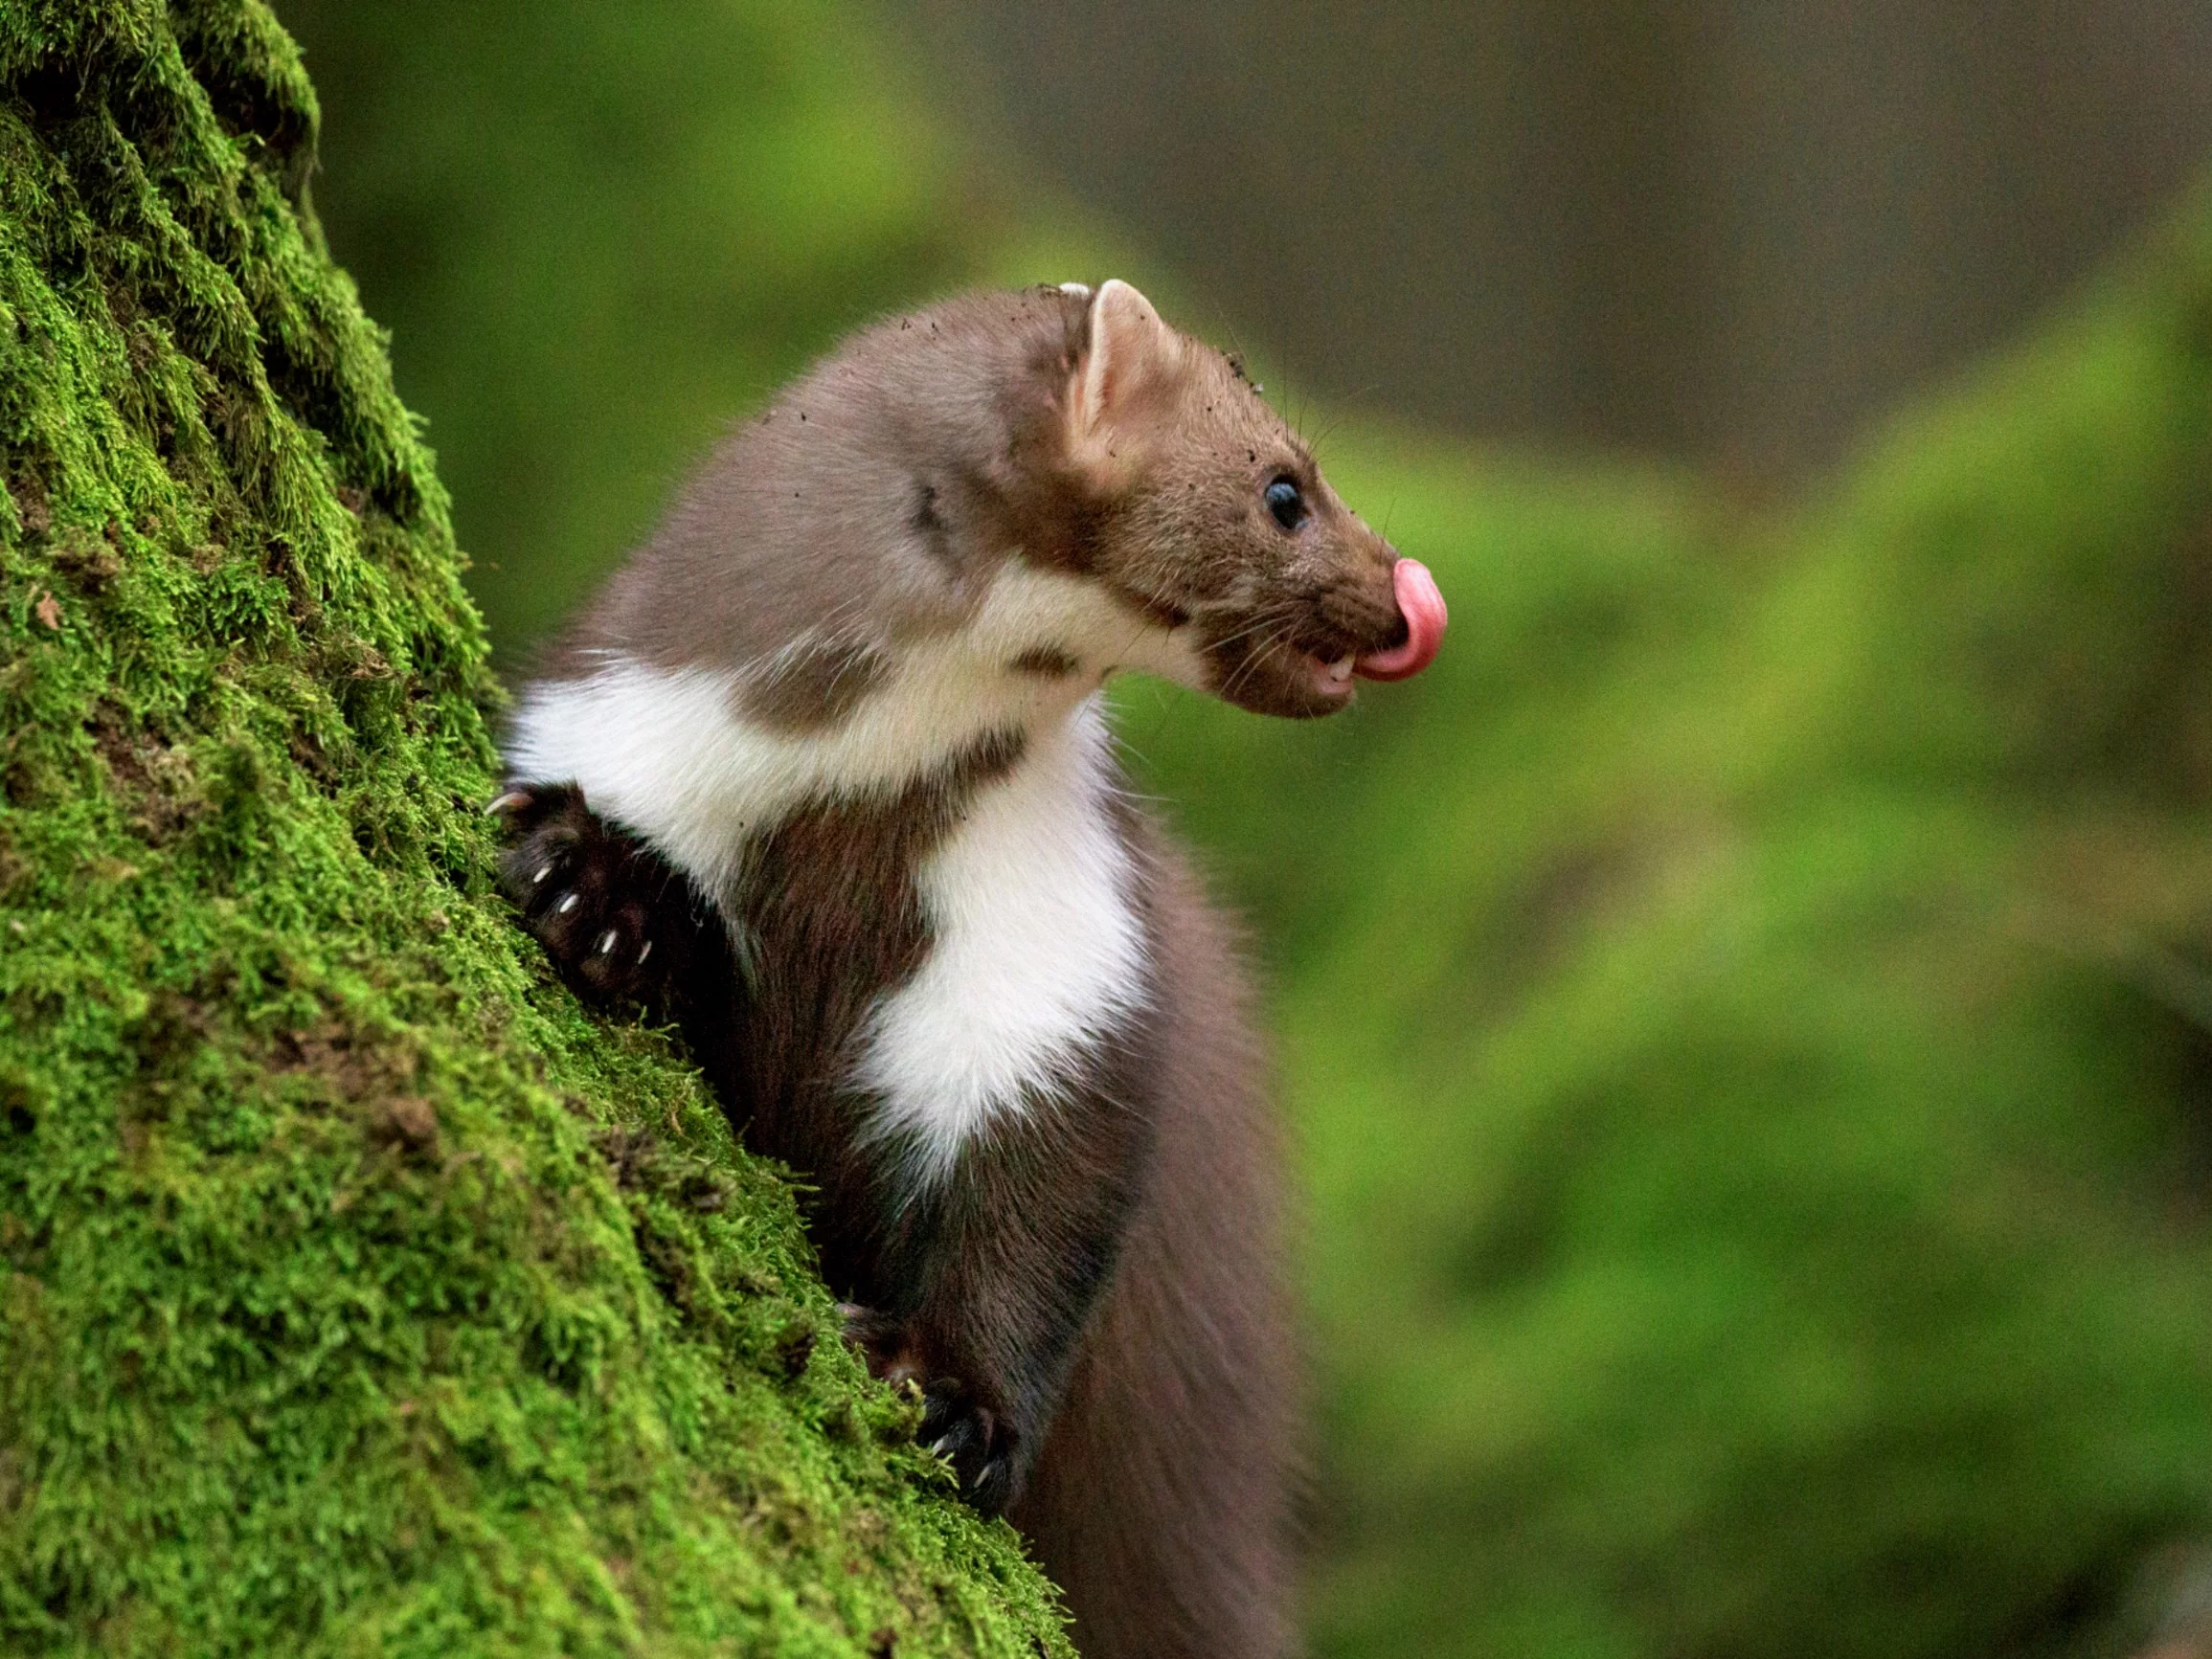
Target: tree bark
(360,1293)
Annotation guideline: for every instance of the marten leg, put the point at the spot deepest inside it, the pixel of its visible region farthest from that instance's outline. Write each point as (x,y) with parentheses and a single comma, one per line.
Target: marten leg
(982,1293)
(956,1423)
(978,1276)
(1162,1503)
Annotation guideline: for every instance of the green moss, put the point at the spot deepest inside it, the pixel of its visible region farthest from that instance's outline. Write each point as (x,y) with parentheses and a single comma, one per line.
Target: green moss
(598,233)
(361,1294)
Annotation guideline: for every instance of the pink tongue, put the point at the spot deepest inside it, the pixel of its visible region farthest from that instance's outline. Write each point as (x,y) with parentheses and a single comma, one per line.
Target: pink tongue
(1422,608)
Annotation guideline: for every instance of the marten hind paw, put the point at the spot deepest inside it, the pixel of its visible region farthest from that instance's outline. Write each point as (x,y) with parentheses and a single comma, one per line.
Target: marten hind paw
(881,1340)
(956,1425)
(969,1436)
(593,896)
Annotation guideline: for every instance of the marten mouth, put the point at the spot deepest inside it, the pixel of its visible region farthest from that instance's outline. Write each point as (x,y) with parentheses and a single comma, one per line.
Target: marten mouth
(1331,679)
(1422,613)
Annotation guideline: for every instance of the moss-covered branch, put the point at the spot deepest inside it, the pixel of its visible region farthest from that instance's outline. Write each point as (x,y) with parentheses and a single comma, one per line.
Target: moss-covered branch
(359,1294)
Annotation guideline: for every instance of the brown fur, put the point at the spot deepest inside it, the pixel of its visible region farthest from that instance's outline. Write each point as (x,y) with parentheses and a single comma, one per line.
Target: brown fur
(824,920)
(813,685)
(1163,1501)
(1093,1298)
(1046,662)
(880,494)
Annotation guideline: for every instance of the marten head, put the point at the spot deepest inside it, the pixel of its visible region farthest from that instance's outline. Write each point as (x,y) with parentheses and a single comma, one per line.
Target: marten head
(1207,512)
(965,517)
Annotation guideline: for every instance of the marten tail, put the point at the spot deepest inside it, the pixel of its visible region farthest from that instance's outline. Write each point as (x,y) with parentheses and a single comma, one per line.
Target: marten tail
(1163,1500)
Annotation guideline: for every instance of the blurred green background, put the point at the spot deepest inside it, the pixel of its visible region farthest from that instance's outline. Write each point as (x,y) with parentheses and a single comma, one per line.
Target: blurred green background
(1745,1011)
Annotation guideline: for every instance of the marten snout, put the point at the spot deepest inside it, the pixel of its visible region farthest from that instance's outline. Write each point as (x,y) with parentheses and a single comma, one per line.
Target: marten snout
(1294,645)
(1312,599)
(1217,512)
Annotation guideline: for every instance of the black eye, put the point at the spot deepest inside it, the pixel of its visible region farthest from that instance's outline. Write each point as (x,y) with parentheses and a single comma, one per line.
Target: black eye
(1284,501)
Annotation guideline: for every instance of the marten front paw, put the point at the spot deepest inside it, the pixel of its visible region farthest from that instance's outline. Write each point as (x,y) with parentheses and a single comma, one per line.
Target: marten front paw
(592,895)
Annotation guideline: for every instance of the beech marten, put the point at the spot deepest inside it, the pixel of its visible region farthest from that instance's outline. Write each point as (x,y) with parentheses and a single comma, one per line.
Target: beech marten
(856,825)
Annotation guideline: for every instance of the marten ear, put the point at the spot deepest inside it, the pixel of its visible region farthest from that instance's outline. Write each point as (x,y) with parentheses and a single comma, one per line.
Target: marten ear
(1130,351)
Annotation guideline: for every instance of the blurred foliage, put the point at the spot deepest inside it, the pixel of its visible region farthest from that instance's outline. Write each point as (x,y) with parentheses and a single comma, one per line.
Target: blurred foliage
(1747,1008)
(1747,1012)
(595,232)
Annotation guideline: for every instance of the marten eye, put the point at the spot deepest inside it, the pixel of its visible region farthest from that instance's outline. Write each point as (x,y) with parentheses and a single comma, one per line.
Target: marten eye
(1284,500)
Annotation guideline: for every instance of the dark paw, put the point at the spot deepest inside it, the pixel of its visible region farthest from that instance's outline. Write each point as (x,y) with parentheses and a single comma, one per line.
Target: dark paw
(969,1435)
(881,1341)
(956,1425)
(593,896)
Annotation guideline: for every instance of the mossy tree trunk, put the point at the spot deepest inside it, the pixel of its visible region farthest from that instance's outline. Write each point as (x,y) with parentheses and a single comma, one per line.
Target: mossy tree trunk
(356,1292)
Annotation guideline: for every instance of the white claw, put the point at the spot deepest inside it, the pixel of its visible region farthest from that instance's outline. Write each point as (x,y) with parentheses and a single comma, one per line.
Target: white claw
(982,1475)
(938,1445)
(607,943)
(514,797)
(568,903)
(645,950)
(543,872)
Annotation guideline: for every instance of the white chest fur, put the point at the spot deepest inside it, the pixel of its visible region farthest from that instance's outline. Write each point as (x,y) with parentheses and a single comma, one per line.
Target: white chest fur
(1037,954)
(668,754)
(1036,946)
